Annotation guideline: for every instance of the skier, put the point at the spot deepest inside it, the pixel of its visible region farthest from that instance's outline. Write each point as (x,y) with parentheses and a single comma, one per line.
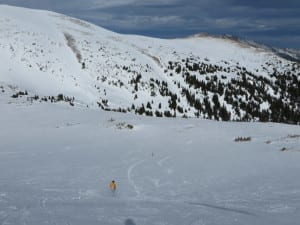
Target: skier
(113,186)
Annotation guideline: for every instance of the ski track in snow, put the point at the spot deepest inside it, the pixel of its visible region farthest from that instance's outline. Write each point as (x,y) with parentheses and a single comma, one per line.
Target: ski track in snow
(130,178)
(221,208)
(43,202)
(161,162)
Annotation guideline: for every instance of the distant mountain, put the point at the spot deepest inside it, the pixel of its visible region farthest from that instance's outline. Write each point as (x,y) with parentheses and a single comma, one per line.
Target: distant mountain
(289,54)
(49,57)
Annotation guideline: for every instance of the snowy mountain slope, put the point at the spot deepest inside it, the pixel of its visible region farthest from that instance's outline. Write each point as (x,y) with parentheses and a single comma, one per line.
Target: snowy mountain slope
(47,54)
(56,163)
(289,54)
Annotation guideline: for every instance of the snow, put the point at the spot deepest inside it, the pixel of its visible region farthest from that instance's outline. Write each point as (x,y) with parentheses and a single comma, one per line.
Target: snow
(39,59)
(57,162)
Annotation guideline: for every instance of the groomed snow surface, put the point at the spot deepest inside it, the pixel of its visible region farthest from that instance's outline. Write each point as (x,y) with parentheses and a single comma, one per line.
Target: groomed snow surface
(56,163)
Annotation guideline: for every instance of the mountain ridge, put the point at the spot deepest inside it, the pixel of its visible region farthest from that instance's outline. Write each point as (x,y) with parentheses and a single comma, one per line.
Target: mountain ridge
(207,77)
(287,53)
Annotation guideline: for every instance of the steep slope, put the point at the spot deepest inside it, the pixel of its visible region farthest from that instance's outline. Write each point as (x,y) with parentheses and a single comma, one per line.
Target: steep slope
(47,54)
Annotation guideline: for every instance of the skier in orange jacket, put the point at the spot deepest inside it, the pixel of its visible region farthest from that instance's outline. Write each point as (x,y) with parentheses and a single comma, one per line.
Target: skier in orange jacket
(113,186)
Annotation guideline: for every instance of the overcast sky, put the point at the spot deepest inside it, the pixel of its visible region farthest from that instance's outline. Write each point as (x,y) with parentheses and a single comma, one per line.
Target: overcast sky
(272,22)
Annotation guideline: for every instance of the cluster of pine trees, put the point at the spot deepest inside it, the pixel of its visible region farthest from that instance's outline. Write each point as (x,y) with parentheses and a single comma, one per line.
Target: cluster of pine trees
(209,93)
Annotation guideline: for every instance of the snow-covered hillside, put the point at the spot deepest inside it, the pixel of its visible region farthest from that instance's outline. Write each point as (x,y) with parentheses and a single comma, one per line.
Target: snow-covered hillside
(56,163)
(45,54)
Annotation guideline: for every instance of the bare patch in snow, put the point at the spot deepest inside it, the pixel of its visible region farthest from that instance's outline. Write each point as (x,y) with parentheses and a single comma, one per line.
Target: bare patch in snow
(71,42)
(242,139)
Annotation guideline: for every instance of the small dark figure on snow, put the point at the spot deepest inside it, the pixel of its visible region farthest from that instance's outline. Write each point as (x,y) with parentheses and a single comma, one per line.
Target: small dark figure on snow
(113,186)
